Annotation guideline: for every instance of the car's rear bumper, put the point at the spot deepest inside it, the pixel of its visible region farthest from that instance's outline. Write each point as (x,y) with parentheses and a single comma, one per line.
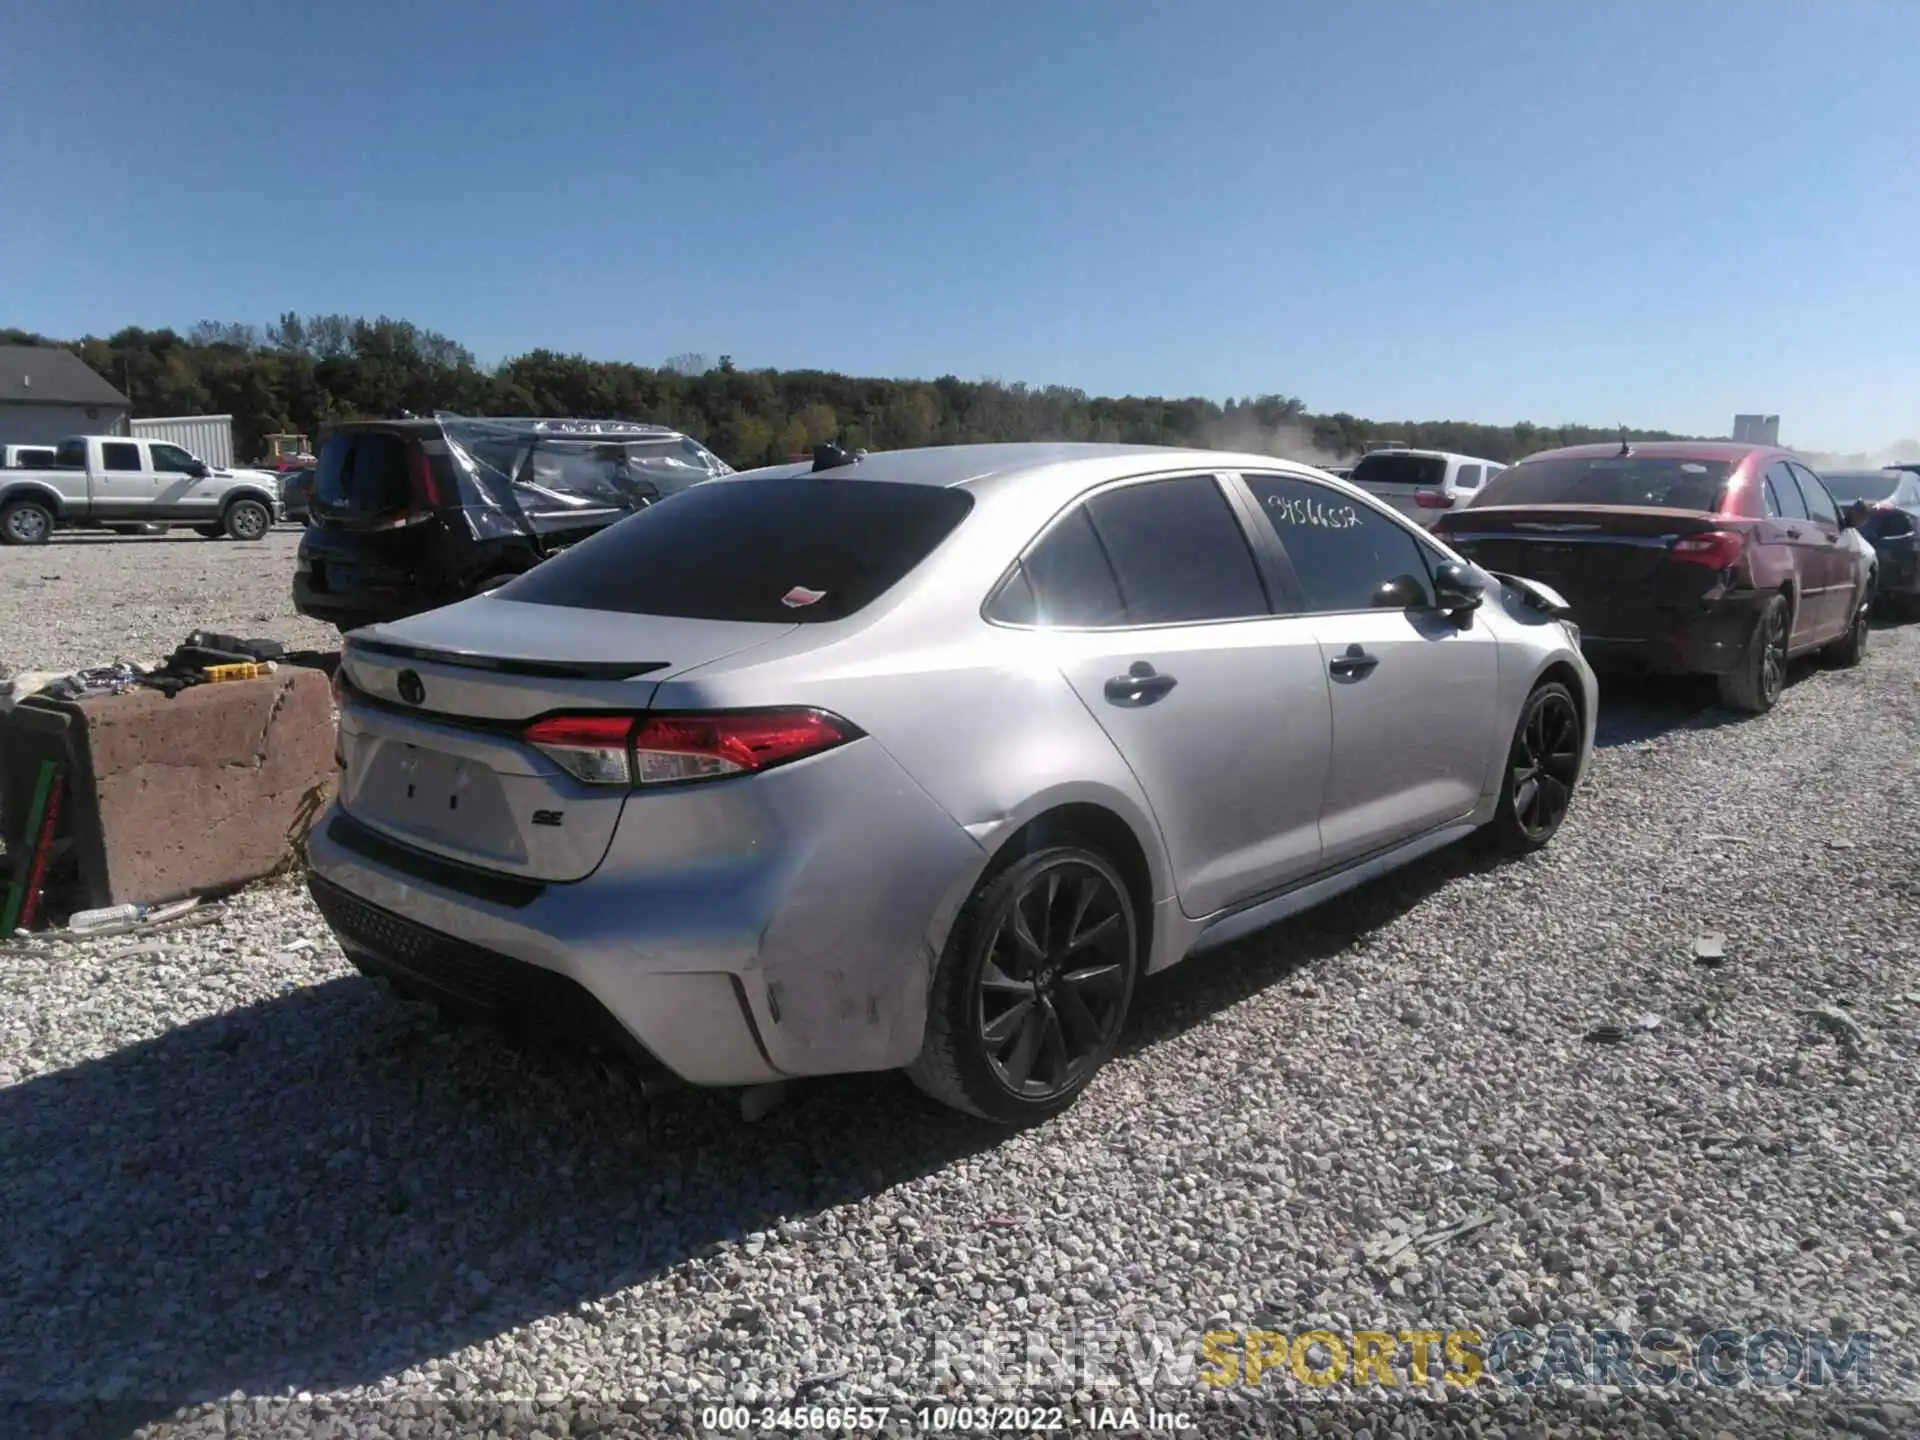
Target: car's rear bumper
(806,948)
(1897,567)
(1708,638)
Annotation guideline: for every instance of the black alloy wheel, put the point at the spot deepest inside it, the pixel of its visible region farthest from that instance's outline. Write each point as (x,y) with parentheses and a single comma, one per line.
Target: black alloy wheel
(1754,685)
(1031,995)
(1543,765)
(1052,987)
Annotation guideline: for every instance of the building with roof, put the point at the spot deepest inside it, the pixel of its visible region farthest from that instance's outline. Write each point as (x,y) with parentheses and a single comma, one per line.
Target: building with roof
(48,393)
(1757,429)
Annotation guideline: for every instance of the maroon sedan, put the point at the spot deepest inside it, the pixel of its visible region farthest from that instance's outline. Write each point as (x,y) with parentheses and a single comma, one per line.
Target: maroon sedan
(1682,557)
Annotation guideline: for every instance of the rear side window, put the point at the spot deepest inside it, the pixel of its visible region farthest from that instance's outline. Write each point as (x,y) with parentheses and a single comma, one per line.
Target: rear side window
(1819,503)
(1178,552)
(1468,478)
(1389,468)
(1786,492)
(72,453)
(806,549)
(1167,552)
(363,472)
(1342,552)
(1064,580)
(1662,482)
(120,457)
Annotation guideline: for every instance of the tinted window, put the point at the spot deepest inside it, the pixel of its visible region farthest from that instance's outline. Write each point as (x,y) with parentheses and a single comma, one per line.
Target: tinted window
(1872,486)
(1787,491)
(1178,552)
(1819,504)
(32,459)
(1341,552)
(1388,467)
(806,548)
(1068,580)
(1468,477)
(1664,482)
(1769,498)
(73,453)
(120,457)
(172,459)
(363,472)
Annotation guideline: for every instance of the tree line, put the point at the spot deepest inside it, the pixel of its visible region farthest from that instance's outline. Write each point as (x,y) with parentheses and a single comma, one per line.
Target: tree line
(300,375)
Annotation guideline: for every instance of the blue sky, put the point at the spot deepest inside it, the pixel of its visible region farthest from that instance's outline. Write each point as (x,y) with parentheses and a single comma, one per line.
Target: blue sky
(1651,213)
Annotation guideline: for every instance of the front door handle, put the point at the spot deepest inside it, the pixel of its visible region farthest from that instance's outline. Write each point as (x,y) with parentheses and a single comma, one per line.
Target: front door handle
(1793,532)
(1141,685)
(1356,662)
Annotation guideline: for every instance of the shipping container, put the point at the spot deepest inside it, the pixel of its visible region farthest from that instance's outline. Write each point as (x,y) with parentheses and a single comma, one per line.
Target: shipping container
(206,437)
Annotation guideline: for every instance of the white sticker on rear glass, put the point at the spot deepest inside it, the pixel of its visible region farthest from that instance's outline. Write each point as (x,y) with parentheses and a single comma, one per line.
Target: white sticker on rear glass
(1693,469)
(799,596)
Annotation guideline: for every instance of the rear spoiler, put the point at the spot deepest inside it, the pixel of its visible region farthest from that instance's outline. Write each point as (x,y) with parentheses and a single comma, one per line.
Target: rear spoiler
(1534,595)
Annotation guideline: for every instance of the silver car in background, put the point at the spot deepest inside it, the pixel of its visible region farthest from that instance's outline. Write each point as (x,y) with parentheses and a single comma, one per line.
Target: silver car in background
(922,759)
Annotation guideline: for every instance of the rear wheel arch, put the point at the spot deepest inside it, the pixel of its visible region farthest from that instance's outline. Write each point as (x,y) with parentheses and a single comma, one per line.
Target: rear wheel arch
(39,494)
(1091,827)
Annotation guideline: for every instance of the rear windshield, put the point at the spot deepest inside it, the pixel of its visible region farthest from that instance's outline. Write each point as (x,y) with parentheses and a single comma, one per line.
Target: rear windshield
(1872,485)
(363,472)
(802,548)
(1422,472)
(1660,481)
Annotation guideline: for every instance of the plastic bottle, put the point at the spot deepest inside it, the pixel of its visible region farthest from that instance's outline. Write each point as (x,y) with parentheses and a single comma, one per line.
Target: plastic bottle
(100,919)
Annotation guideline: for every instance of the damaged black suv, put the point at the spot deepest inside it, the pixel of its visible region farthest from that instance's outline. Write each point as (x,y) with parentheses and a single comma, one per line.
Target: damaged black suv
(408,515)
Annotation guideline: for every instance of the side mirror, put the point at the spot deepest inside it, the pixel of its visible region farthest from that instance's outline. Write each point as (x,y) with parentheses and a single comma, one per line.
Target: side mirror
(1855,515)
(1403,592)
(198,469)
(1457,588)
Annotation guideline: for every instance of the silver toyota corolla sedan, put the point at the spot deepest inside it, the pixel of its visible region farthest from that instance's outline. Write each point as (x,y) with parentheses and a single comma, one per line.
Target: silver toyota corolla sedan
(922,759)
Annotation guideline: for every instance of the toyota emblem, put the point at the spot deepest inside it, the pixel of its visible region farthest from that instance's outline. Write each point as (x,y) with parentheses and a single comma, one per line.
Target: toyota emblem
(412,690)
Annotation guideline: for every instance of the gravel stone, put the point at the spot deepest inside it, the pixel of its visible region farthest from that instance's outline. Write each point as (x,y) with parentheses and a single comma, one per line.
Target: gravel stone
(249,1192)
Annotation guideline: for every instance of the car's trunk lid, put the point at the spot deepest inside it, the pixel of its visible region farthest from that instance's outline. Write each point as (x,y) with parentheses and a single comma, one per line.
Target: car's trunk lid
(436,705)
(1612,563)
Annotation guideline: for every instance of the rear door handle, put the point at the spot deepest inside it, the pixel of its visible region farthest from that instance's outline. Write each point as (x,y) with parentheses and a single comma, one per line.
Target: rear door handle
(1793,532)
(1141,685)
(1355,662)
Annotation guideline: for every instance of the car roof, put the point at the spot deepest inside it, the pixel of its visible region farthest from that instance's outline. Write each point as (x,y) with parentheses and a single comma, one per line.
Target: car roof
(1731,451)
(1429,455)
(993,466)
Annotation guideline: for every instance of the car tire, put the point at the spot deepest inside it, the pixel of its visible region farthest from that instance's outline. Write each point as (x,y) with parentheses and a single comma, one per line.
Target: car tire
(1015,1031)
(26,522)
(1851,648)
(247,520)
(1753,687)
(1542,768)
(210,532)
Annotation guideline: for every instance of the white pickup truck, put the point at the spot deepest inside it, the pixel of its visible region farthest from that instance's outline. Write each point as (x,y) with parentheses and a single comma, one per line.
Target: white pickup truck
(110,482)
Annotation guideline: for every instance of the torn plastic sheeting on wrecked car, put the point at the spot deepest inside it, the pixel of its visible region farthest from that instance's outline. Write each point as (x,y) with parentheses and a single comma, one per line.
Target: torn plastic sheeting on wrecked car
(524,476)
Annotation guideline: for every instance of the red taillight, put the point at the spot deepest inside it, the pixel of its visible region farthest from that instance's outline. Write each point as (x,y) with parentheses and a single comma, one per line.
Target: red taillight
(1433,499)
(667,749)
(426,488)
(1716,549)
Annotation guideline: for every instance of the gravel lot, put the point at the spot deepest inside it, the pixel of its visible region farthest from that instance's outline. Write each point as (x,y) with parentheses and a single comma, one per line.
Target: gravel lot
(89,599)
(231,1168)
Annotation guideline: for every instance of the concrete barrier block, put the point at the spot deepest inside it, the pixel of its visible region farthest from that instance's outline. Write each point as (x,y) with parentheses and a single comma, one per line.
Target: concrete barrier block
(211,788)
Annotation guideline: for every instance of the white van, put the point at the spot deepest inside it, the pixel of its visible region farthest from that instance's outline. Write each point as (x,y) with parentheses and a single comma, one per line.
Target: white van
(1420,484)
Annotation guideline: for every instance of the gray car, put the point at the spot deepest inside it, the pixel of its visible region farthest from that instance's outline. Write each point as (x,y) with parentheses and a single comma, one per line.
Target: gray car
(923,759)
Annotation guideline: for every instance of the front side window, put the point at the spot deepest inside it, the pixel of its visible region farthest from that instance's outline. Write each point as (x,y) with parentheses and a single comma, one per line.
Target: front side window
(120,456)
(1342,552)
(172,459)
